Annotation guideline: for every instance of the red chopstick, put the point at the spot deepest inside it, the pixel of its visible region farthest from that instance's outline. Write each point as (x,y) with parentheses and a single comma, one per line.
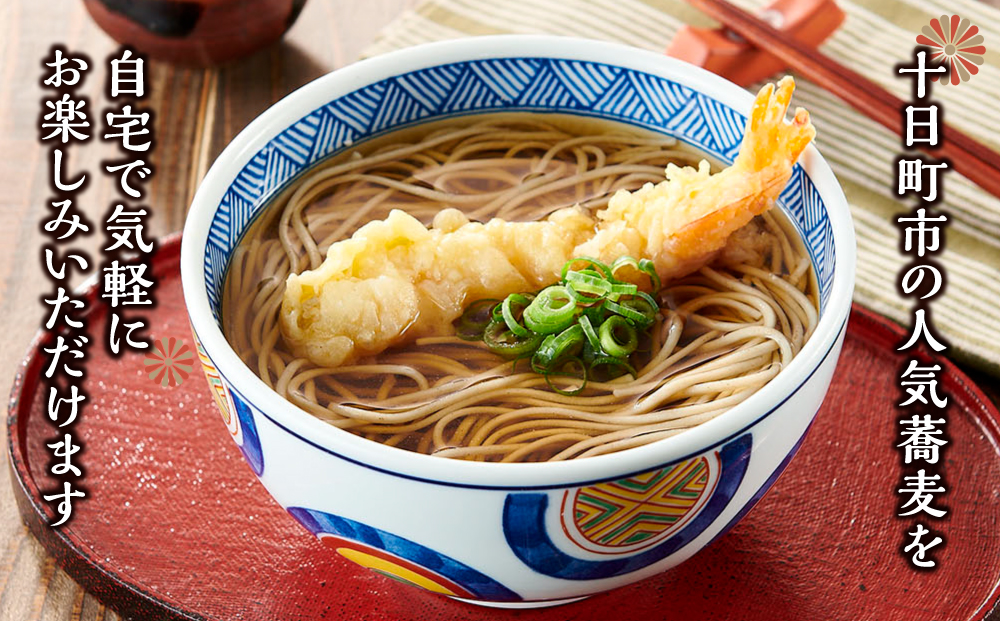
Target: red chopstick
(969,157)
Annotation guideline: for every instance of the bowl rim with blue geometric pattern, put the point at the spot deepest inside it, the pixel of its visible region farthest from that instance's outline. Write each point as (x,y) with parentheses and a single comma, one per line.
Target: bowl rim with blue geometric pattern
(402,88)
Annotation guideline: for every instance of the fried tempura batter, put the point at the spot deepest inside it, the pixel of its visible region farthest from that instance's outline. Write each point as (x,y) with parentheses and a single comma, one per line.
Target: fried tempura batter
(395,279)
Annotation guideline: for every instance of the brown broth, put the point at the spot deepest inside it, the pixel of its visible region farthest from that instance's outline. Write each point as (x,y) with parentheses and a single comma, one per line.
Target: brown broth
(476,183)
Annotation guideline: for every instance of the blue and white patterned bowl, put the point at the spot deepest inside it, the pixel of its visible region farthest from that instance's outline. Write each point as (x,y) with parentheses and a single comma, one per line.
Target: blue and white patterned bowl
(509,534)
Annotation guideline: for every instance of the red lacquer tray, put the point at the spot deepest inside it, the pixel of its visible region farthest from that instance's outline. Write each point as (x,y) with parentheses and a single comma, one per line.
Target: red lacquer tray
(177,527)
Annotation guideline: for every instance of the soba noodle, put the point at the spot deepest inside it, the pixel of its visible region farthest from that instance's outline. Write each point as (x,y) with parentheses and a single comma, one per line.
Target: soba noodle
(724,331)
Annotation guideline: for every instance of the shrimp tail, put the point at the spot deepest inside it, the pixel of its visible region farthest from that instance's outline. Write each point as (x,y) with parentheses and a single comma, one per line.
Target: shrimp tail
(712,207)
(768,139)
(395,279)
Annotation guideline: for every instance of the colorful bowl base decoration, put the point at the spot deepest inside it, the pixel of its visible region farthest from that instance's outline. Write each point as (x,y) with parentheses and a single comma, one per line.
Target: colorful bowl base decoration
(235,413)
(633,514)
(401,559)
(634,522)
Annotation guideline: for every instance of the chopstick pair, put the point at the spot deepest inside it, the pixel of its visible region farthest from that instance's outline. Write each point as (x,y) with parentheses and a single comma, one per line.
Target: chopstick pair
(967,156)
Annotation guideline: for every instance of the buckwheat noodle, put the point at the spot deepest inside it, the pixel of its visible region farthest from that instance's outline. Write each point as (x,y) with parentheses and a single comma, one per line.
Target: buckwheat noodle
(724,331)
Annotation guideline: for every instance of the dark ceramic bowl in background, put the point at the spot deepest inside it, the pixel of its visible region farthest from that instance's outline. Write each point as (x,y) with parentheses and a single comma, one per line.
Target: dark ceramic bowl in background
(198,32)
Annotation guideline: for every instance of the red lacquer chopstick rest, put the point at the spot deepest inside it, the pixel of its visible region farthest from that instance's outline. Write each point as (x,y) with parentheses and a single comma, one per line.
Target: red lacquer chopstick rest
(725,53)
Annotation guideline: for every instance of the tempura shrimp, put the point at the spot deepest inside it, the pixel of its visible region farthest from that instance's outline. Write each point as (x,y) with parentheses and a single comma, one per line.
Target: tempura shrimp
(395,279)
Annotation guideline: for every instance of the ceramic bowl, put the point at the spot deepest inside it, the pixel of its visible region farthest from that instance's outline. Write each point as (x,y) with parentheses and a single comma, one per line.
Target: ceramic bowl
(507,534)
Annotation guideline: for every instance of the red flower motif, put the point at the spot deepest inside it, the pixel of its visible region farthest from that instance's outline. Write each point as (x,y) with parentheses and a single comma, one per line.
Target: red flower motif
(955,42)
(170,362)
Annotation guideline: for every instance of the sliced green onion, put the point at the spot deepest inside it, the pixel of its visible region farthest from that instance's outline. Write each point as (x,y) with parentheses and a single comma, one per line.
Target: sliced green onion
(497,312)
(588,262)
(596,314)
(587,283)
(589,271)
(537,364)
(562,372)
(621,288)
(645,305)
(610,363)
(585,326)
(590,333)
(627,312)
(467,334)
(557,347)
(624,288)
(649,268)
(509,318)
(623,261)
(583,299)
(552,311)
(514,361)
(644,266)
(470,325)
(500,340)
(618,338)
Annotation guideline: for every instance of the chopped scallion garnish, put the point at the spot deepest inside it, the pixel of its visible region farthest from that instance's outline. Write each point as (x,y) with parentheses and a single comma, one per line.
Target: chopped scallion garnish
(584,327)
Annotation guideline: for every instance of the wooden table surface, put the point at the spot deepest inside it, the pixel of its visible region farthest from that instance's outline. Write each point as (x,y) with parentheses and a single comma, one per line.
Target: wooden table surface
(198,113)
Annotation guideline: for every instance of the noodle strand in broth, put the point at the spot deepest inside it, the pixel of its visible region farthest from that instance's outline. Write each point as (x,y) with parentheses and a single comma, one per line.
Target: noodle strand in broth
(723,332)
